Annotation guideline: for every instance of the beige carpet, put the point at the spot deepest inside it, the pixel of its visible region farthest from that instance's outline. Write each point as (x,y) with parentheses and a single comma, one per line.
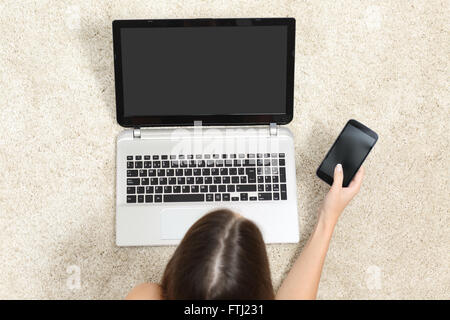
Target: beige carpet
(384,63)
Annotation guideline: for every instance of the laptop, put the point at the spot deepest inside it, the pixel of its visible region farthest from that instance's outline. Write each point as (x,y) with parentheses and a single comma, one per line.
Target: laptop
(204,103)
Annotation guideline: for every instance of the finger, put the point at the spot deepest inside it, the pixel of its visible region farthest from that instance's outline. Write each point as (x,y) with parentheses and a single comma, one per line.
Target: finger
(338,177)
(355,185)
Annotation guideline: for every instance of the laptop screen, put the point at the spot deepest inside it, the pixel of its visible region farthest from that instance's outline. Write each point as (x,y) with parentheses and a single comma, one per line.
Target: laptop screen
(204,72)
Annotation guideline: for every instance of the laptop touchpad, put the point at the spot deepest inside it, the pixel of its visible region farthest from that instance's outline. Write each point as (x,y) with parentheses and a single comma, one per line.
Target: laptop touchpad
(176,221)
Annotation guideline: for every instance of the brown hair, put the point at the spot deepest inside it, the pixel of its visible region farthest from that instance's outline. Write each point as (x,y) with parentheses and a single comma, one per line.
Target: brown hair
(222,256)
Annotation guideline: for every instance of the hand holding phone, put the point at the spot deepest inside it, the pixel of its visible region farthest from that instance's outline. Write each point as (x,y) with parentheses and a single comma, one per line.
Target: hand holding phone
(338,197)
(350,150)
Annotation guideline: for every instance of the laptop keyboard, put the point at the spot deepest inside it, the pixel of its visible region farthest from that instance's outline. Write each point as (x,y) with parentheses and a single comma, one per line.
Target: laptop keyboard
(206,177)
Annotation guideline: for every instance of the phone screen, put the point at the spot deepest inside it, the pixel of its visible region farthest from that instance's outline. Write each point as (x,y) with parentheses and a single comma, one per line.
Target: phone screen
(350,149)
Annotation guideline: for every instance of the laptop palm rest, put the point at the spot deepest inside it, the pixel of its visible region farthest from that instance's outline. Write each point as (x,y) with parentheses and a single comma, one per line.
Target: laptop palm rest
(176,221)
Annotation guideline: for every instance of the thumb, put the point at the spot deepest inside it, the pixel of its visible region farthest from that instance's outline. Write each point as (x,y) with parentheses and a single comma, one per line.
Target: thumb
(338,176)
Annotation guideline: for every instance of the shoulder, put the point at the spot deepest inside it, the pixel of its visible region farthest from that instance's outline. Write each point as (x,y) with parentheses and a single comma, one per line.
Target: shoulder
(145,291)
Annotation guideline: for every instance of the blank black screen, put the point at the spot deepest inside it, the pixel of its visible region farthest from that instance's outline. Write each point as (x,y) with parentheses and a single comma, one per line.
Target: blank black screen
(350,150)
(204,70)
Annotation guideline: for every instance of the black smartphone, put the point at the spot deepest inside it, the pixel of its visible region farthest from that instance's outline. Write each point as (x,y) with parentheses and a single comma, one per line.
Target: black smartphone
(350,150)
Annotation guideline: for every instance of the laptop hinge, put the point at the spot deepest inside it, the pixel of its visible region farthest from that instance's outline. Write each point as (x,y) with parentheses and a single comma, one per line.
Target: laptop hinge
(137,133)
(198,123)
(273,129)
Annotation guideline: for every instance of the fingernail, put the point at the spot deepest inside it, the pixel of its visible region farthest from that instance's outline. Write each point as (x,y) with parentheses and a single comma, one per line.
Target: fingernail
(339,167)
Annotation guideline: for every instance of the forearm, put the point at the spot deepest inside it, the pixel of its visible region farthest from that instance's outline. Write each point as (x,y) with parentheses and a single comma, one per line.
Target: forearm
(303,279)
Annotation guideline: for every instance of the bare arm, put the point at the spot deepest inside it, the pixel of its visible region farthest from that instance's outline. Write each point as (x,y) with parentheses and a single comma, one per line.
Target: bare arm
(302,281)
(145,291)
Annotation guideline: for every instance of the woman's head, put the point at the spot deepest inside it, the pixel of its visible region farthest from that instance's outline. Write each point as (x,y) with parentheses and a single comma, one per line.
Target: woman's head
(222,256)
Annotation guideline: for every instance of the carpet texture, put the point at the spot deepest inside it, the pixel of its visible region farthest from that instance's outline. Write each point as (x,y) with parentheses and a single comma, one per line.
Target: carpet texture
(384,63)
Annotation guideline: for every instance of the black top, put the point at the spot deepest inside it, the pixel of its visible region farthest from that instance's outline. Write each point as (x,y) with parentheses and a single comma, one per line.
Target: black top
(218,71)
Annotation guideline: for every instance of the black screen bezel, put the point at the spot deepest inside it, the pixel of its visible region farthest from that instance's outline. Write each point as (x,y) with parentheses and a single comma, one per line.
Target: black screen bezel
(141,121)
(365,130)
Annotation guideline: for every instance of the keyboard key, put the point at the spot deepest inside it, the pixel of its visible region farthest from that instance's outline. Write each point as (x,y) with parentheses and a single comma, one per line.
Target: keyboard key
(203,188)
(217,197)
(142,173)
(183,164)
(209,197)
(210,163)
(190,156)
(222,188)
(174,164)
(149,189)
(266,155)
(243,179)
(241,155)
(165,164)
(206,172)
(283,192)
(147,157)
(268,187)
(185,189)
(138,164)
(179,172)
(140,198)
(131,199)
(158,189)
(226,180)
(232,171)
(282,174)
(172,156)
(188,172)
(162,181)
(274,155)
(244,196)
(176,189)
(215,156)
(199,180)
(253,198)
(237,163)
(213,188)
(276,196)
(151,172)
(155,157)
(224,156)
(181,180)
(281,155)
(198,156)
(201,164)
(153,181)
(130,165)
(235,179)
(241,171)
(133,181)
(260,187)
(250,155)
(170,172)
(267,179)
(207,156)
(234,198)
(190,180)
(132,173)
(219,163)
(131,190)
(140,190)
(129,157)
(164,157)
(181,156)
(275,179)
(215,171)
(167,189)
(217,180)
(197,172)
(282,162)
(184,197)
(264,196)
(149,198)
(231,188)
(223,171)
(158,198)
(192,163)
(138,157)
(147,164)
(245,187)
(195,189)
(228,163)
(208,180)
(233,156)
(156,164)
(259,155)
(275,187)
(226,197)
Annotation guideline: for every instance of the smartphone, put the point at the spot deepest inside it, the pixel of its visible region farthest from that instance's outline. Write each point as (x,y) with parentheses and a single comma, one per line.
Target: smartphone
(350,150)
